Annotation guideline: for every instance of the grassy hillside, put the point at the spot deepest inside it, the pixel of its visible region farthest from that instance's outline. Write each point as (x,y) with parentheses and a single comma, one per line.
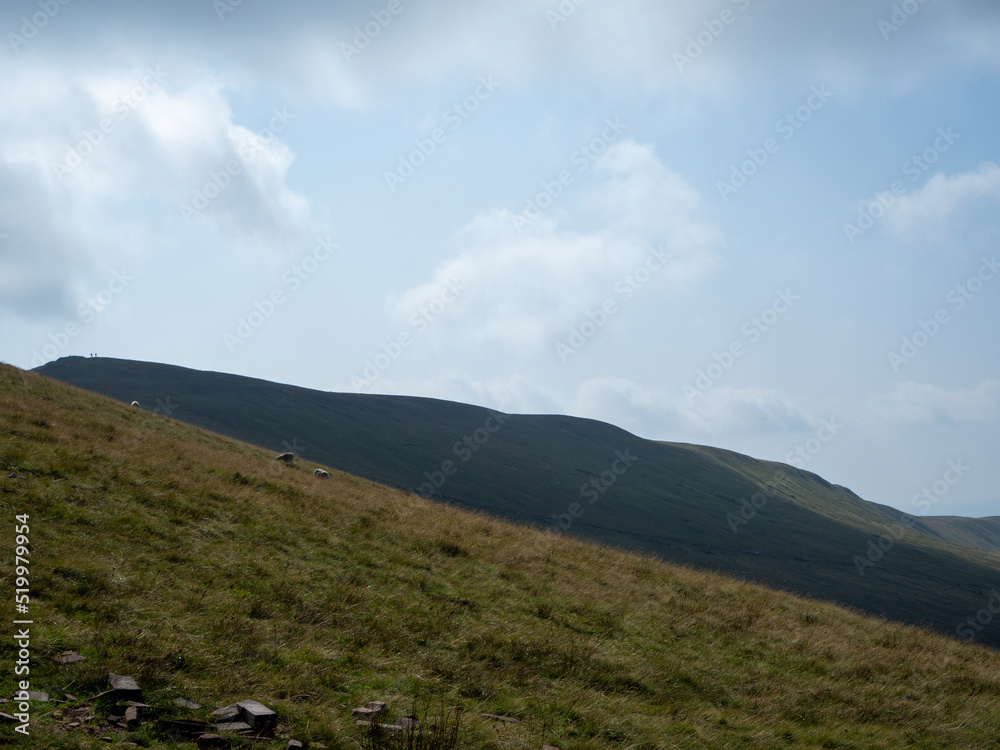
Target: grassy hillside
(207,570)
(685,503)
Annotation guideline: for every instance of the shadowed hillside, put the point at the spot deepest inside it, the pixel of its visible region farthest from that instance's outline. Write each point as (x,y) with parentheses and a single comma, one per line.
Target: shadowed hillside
(694,505)
(207,570)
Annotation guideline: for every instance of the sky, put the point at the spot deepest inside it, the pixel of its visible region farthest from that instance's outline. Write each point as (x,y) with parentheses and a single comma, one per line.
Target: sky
(771,227)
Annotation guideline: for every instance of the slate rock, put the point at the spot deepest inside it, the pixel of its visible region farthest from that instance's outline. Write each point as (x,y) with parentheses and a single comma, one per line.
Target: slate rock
(212,742)
(232,726)
(70,657)
(185,703)
(125,688)
(257,715)
(227,713)
(7,718)
(294,745)
(507,719)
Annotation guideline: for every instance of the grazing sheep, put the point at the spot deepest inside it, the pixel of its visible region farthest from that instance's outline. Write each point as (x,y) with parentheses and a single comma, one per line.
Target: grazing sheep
(321,474)
(135,403)
(288,458)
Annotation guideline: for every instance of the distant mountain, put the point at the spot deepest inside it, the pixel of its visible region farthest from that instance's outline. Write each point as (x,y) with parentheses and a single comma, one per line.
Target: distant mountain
(695,505)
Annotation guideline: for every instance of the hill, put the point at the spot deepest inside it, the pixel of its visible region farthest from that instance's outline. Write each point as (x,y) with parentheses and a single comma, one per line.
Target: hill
(206,570)
(692,505)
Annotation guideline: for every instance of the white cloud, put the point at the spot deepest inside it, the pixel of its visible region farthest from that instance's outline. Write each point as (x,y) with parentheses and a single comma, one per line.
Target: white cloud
(941,198)
(82,162)
(924,403)
(525,287)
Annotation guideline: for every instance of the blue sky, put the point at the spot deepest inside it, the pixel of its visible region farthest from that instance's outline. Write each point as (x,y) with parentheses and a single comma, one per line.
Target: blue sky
(770,227)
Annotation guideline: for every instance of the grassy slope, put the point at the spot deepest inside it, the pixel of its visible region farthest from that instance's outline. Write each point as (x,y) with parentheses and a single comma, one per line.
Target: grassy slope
(206,569)
(674,502)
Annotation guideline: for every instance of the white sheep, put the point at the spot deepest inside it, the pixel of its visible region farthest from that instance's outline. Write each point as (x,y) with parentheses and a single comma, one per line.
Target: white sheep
(288,458)
(135,404)
(321,474)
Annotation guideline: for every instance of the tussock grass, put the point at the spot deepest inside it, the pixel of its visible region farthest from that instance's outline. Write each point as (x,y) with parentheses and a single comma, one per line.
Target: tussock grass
(208,570)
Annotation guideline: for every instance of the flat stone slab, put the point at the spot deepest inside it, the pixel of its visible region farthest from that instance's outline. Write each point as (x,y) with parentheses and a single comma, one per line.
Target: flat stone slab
(185,703)
(227,713)
(70,657)
(507,719)
(257,715)
(125,687)
(232,726)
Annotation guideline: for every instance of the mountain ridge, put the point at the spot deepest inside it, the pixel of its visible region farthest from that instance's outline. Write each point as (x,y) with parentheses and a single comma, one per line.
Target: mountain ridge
(694,505)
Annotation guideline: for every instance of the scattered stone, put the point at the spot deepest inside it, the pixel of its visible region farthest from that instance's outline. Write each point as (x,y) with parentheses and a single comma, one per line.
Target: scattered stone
(7,718)
(71,698)
(406,722)
(549,747)
(75,724)
(70,657)
(131,717)
(185,703)
(508,719)
(232,726)
(227,713)
(33,695)
(183,728)
(212,742)
(257,715)
(125,687)
(294,745)
(369,710)
(105,738)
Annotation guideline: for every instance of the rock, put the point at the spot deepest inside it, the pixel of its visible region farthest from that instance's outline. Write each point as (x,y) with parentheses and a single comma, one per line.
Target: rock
(70,657)
(7,718)
(369,710)
(549,747)
(125,687)
(212,742)
(185,729)
(185,703)
(406,722)
(294,745)
(227,713)
(70,698)
(508,719)
(131,717)
(32,696)
(106,738)
(257,715)
(232,726)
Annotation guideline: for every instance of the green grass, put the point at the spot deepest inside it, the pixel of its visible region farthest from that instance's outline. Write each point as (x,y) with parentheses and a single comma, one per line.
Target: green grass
(207,570)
